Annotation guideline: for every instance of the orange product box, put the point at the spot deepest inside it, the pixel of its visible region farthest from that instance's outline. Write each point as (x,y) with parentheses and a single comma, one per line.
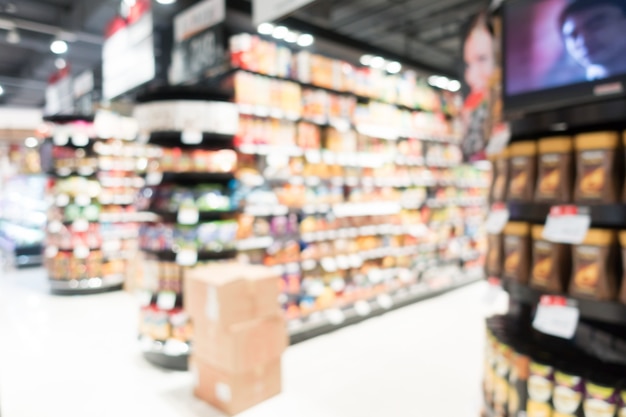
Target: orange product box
(241,347)
(233,393)
(231,293)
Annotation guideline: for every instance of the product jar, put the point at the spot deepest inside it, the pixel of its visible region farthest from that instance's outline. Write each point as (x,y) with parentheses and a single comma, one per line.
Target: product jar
(518,381)
(493,264)
(522,171)
(622,241)
(500,176)
(555,172)
(594,266)
(598,173)
(540,387)
(568,394)
(516,251)
(600,399)
(551,263)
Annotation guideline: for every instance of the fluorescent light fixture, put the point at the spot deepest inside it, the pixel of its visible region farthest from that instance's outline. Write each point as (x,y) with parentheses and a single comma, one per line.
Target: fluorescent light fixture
(58,47)
(366,60)
(377,62)
(1,90)
(13,36)
(280,32)
(291,37)
(60,63)
(454,86)
(265,28)
(442,83)
(166,1)
(433,79)
(305,40)
(394,67)
(129,3)
(31,142)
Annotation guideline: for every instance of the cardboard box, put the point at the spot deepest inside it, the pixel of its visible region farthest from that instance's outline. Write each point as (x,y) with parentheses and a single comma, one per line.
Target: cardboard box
(235,392)
(231,293)
(241,347)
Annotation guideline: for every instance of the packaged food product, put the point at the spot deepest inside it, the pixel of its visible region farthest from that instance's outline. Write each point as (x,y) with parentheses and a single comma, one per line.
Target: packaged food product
(518,381)
(540,387)
(622,241)
(522,170)
(601,398)
(551,263)
(493,264)
(501,378)
(516,251)
(555,174)
(500,176)
(598,173)
(594,266)
(568,394)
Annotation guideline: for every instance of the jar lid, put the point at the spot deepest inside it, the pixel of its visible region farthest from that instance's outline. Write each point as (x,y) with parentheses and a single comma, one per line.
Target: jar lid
(597,140)
(600,237)
(517,229)
(537,232)
(622,238)
(527,148)
(560,144)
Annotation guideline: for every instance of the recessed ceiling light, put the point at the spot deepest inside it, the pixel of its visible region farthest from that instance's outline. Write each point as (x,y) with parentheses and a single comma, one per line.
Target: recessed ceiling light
(291,37)
(366,60)
(433,79)
(394,67)
(442,82)
(60,63)
(377,62)
(58,47)
(13,36)
(305,40)
(166,1)
(280,32)
(265,28)
(1,90)
(454,86)
(129,3)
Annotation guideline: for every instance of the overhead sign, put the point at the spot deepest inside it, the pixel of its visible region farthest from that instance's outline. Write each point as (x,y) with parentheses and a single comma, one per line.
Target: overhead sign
(270,10)
(199,43)
(59,98)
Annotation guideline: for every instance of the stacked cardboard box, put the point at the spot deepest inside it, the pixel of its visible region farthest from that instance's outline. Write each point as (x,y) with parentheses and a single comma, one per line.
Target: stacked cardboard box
(239,334)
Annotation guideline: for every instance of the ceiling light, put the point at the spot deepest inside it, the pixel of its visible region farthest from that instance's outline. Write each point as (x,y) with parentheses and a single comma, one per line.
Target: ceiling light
(454,86)
(394,67)
(305,40)
(291,37)
(58,47)
(432,80)
(31,142)
(377,62)
(265,28)
(366,60)
(60,63)
(280,32)
(442,83)
(166,1)
(13,36)
(1,90)
(129,3)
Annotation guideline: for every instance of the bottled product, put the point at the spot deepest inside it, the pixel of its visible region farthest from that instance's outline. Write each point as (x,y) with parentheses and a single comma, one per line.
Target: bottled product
(551,263)
(516,251)
(522,171)
(598,173)
(594,266)
(555,170)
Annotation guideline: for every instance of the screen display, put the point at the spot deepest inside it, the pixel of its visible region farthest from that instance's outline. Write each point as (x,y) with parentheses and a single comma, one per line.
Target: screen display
(557,43)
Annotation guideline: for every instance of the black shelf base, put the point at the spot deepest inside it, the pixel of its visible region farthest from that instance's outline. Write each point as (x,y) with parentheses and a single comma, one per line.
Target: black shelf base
(175,363)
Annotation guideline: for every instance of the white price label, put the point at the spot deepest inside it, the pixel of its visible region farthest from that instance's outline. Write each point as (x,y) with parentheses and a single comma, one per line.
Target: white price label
(335,316)
(565,224)
(80,225)
(497,219)
(188,216)
(557,317)
(166,300)
(81,252)
(154,178)
(385,301)
(362,308)
(187,257)
(191,137)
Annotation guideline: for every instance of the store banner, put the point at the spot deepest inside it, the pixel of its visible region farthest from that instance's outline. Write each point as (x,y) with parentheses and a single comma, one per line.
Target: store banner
(128,52)
(484,128)
(59,93)
(270,10)
(199,42)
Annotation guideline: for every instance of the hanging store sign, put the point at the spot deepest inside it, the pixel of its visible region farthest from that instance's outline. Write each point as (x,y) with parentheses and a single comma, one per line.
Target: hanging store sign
(59,94)
(128,52)
(270,10)
(199,44)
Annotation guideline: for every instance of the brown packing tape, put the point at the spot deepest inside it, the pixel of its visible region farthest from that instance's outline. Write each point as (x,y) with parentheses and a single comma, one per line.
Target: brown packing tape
(596,140)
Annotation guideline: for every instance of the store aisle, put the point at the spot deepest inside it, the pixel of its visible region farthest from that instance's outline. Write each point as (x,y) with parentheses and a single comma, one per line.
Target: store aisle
(79,356)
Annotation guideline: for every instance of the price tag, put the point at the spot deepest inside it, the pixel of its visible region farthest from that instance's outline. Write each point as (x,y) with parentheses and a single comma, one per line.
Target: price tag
(384,301)
(556,316)
(80,225)
(187,257)
(81,252)
(567,224)
(191,137)
(188,216)
(154,178)
(335,316)
(166,300)
(497,219)
(362,308)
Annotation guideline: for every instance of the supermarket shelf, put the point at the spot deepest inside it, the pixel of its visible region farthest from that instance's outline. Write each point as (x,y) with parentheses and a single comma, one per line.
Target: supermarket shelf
(171,139)
(67,118)
(87,286)
(195,178)
(128,217)
(172,217)
(605,311)
(170,255)
(300,331)
(171,354)
(602,215)
(65,173)
(254,243)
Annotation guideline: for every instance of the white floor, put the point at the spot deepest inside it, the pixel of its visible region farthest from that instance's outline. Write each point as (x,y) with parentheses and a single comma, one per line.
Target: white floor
(79,357)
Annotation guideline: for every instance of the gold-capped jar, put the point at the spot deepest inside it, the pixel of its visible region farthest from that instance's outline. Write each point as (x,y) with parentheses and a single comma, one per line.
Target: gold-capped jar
(594,270)
(500,176)
(516,243)
(555,172)
(598,173)
(551,263)
(522,170)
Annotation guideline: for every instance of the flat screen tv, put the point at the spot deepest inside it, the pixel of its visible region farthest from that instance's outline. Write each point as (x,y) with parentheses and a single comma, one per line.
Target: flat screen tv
(560,53)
